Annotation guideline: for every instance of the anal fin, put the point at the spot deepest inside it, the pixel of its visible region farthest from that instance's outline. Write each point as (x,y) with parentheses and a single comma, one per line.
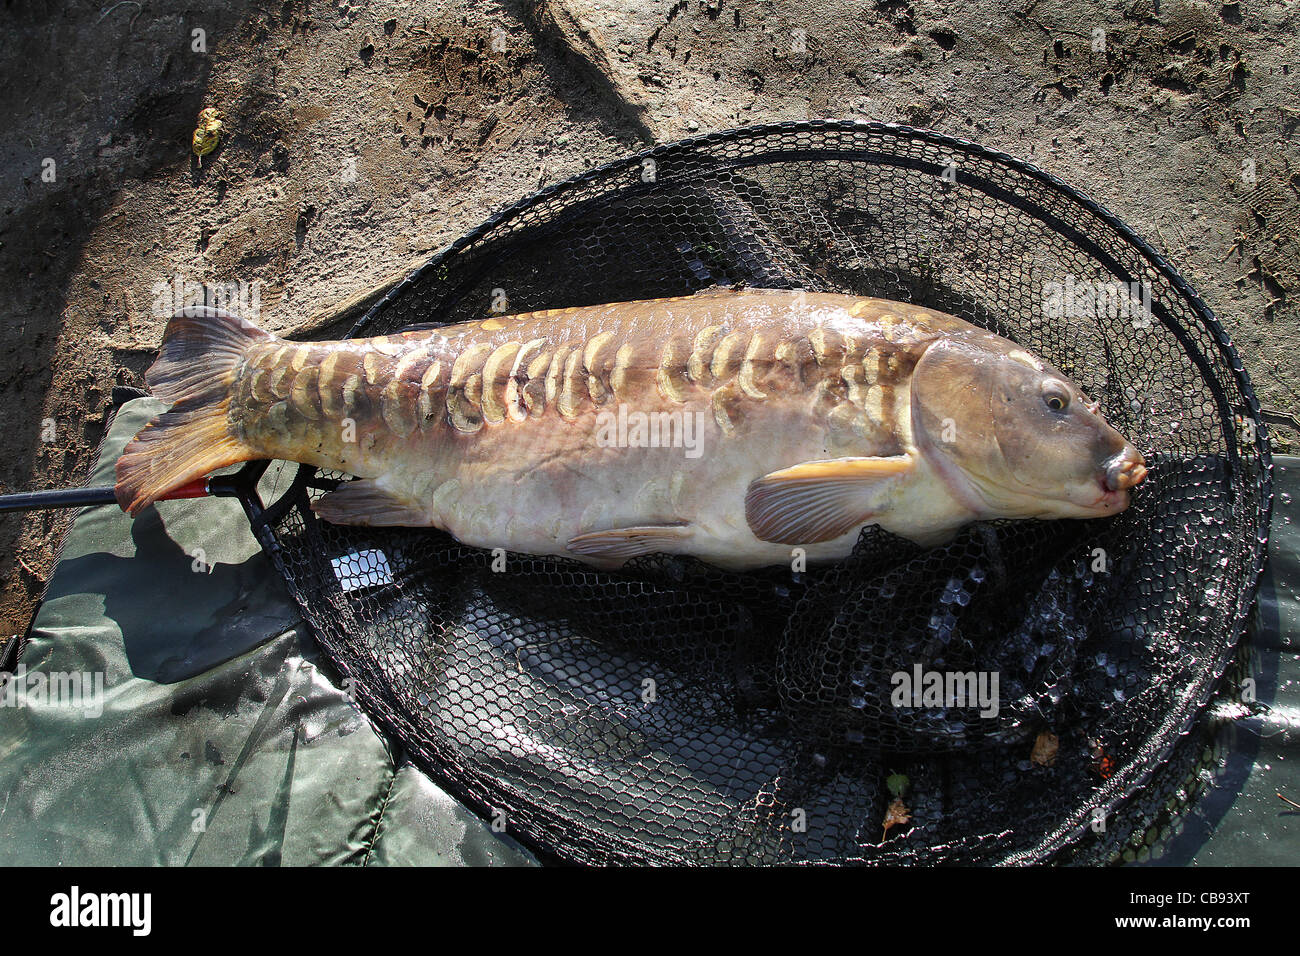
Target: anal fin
(622,543)
(364,502)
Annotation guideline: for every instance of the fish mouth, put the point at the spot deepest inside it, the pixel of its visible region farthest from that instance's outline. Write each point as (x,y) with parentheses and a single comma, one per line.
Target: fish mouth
(1126,470)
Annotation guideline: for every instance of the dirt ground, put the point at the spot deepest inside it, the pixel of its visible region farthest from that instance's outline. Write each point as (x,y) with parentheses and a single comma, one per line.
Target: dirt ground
(361,137)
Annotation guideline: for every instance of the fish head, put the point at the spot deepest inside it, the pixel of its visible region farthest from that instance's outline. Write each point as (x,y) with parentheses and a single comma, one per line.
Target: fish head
(1013,437)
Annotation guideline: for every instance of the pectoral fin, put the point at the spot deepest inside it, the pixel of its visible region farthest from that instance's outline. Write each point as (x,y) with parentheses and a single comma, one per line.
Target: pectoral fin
(820,500)
(623,543)
(364,502)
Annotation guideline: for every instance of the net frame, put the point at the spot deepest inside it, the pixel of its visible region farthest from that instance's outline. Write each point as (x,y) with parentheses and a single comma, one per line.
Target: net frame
(791,238)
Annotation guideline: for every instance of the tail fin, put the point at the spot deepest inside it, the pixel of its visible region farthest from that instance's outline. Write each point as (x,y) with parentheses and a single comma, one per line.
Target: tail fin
(200,353)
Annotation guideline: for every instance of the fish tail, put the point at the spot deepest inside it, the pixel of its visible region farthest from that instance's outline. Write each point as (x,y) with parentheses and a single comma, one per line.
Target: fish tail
(197,365)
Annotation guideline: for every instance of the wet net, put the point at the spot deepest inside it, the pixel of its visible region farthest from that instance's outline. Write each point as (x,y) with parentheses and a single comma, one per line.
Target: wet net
(672,712)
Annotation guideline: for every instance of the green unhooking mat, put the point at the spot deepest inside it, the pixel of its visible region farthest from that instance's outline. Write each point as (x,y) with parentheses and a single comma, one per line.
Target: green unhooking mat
(193,720)
(171,707)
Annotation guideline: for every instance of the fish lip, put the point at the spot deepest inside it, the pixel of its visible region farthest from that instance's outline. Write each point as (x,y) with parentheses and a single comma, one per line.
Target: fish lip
(1126,470)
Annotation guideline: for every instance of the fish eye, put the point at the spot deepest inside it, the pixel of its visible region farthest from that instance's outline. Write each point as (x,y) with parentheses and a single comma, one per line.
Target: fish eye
(1055,395)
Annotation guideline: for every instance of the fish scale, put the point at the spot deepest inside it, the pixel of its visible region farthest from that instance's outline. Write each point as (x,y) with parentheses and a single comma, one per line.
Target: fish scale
(779,419)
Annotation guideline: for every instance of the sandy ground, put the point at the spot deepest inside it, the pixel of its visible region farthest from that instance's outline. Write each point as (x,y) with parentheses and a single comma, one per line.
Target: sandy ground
(361,137)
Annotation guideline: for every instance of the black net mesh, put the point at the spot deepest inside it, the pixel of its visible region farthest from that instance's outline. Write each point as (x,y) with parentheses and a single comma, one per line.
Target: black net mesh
(672,712)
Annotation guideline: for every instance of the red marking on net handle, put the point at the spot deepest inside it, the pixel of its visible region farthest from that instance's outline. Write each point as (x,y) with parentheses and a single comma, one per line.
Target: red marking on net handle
(198,488)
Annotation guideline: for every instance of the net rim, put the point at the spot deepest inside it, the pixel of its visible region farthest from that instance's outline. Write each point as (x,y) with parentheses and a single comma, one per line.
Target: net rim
(1111,795)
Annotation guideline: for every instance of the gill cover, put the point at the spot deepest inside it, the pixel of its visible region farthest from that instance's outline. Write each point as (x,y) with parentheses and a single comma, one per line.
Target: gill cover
(951,407)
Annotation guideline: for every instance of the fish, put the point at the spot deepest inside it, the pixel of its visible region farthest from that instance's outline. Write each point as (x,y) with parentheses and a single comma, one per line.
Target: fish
(738,426)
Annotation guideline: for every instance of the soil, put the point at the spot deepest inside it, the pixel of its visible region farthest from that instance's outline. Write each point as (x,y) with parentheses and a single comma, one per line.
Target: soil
(361,137)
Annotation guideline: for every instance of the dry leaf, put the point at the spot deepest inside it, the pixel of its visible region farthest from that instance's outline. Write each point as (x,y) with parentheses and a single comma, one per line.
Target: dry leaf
(208,132)
(1045,748)
(897,813)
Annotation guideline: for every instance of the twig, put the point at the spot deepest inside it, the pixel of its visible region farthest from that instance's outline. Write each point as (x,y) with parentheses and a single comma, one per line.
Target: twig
(1239,238)
(128,346)
(40,577)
